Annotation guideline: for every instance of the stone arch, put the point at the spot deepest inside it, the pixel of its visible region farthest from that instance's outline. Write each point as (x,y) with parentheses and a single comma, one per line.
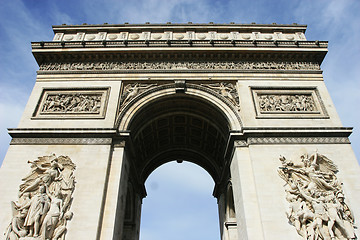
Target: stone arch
(166,123)
(193,124)
(224,106)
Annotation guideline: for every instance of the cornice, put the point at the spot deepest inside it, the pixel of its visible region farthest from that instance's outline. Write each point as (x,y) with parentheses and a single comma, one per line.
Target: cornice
(295,132)
(243,138)
(171,44)
(62,132)
(109,51)
(61,141)
(183,26)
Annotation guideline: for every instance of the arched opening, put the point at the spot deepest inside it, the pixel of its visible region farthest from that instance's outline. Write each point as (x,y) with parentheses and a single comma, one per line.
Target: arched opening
(181,127)
(179,204)
(230,231)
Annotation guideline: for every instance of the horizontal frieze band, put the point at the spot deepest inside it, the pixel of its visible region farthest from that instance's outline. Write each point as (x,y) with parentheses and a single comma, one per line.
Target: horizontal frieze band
(297,140)
(179,43)
(22,132)
(238,143)
(178,65)
(61,141)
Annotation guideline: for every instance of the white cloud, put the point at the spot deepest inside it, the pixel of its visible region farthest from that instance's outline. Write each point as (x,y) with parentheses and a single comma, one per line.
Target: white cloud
(333,20)
(338,22)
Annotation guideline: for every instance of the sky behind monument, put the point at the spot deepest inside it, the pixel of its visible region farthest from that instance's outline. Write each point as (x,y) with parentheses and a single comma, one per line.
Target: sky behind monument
(24,21)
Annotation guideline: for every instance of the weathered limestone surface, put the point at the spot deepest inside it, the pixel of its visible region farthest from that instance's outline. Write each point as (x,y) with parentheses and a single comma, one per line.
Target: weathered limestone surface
(91,162)
(120,100)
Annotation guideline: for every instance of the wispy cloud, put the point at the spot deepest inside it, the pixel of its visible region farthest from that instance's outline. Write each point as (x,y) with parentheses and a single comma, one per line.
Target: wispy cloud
(26,21)
(338,22)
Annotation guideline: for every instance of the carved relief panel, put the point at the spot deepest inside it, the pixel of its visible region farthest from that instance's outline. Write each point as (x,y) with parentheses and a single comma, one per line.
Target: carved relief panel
(226,90)
(317,207)
(42,210)
(132,90)
(177,65)
(288,103)
(72,103)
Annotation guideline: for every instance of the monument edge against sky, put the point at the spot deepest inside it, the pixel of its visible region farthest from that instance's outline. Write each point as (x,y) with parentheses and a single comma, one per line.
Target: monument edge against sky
(247,102)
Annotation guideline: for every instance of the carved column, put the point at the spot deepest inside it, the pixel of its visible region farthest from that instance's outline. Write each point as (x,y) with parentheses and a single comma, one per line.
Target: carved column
(115,195)
(227,215)
(245,195)
(221,209)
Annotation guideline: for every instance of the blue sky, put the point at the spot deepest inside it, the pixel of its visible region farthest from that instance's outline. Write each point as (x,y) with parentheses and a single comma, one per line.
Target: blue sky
(23,21)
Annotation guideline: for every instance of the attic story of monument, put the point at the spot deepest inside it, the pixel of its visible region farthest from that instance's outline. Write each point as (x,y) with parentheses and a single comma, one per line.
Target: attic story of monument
(111,103)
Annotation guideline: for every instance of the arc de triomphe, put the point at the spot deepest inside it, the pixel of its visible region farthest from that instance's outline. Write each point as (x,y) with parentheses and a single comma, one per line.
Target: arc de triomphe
(246,102)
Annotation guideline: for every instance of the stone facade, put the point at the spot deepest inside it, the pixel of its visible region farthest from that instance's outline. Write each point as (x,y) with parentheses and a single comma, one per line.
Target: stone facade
(111,103)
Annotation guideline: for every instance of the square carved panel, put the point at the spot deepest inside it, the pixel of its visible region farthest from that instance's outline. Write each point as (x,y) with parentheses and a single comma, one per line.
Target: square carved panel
(288,103)
(72,103)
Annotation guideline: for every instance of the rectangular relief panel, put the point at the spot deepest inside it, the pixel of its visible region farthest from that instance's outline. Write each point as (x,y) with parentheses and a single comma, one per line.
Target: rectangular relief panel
(288,103)
(72,103)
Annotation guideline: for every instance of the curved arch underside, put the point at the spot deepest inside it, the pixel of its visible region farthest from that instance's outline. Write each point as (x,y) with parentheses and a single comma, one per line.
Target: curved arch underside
(179,127)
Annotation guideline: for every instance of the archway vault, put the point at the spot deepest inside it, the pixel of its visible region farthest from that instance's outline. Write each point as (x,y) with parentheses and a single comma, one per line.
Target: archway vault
(188,125)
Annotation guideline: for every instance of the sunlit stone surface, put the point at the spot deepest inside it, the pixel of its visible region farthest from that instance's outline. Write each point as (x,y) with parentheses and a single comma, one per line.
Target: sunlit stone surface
(119,101)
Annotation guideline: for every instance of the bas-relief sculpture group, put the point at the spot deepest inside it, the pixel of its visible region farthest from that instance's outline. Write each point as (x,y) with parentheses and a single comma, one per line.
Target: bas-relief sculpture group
(44,200)
(317,207)
(286,103)
(131,91)
(226,90)
(72,103)
(178,65)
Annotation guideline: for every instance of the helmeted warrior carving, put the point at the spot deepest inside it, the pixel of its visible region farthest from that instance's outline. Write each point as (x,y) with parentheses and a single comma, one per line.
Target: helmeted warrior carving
(286,103)
(45,196)
(72,103)
(316,201)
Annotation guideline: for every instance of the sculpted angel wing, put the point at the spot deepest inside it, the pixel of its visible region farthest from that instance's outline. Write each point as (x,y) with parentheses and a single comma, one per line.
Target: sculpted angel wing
(127,88)
(231,87)
(146,85)
(328,164)
(212,85)
(324,163)
(66,162)
(38,167)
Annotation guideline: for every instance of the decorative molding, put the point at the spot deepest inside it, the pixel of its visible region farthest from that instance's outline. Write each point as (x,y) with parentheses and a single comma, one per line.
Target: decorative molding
(234,108)
(72,103)
(317,207)
(120,144)
(161,44)
(132,90)
(240,143)
(298,140)
(125,35)
(124,107)
(61,141)
(288,103)
(176,65)
(180,86)
(44,200)
(226,90)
